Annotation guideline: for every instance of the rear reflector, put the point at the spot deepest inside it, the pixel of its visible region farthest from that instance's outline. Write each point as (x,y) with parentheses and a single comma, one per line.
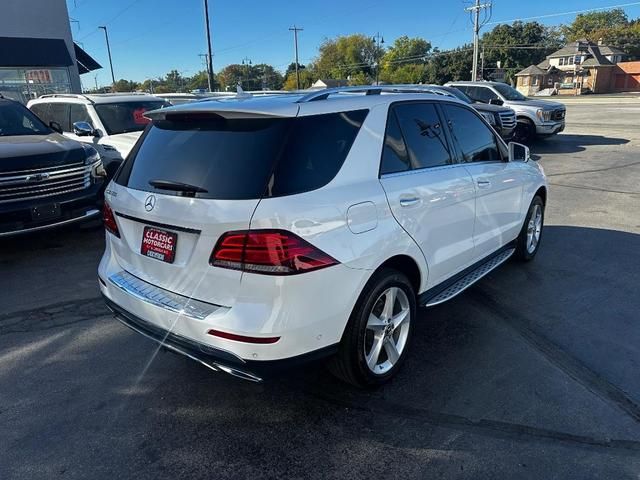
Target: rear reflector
(270,252)
(242,338)
(109,220)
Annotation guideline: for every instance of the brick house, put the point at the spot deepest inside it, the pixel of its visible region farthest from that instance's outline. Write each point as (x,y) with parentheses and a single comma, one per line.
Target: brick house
(578,67)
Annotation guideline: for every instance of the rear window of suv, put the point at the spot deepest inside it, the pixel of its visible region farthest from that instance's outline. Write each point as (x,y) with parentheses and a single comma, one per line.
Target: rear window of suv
(236,159)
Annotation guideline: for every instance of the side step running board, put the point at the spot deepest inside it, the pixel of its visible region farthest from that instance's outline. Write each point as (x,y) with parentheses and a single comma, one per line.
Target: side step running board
(467,280)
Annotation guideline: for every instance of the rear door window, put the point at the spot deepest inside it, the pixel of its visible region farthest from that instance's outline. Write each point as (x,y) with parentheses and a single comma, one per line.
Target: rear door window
(424,136)
(475,139)
(243,158)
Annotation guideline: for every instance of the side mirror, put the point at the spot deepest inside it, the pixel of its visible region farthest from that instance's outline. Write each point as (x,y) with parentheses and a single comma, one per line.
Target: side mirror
(55,126)
(83,129)
(496,101)
(519,152)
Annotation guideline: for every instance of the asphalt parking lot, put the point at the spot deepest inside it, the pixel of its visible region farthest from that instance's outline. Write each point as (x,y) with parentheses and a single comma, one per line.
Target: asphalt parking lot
(531,373)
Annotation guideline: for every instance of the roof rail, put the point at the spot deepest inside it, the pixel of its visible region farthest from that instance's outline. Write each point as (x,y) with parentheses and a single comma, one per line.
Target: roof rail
(66,95)
(367,90)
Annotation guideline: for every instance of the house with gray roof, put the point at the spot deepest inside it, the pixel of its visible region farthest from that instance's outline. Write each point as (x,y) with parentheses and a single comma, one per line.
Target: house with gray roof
(578,67)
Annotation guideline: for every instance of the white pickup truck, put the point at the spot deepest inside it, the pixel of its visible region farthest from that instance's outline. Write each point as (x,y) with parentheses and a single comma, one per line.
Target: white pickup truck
(536,118)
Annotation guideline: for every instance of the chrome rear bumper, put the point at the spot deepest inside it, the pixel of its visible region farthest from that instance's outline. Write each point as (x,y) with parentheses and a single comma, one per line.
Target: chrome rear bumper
(159,297)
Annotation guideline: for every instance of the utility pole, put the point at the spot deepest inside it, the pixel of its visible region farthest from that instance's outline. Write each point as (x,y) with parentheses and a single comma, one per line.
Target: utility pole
(209,55)
(113,78)
(295,31)
(477,24)
(247,63)
(379,40)
(264,77)
(95,78)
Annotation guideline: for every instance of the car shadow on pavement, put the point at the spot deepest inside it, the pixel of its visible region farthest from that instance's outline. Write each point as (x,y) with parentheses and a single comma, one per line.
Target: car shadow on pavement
(571,143)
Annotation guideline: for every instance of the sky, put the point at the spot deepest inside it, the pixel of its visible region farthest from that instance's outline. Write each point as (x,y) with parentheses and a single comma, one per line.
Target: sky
(151,37)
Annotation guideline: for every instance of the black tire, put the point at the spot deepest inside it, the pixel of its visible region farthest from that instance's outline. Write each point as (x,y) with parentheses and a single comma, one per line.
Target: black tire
(350,364)
(523,251)
(525,132)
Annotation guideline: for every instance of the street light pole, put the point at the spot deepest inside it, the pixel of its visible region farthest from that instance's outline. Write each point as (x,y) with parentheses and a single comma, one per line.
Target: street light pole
(113,78)
(295,31)
(379,40)
(210,55)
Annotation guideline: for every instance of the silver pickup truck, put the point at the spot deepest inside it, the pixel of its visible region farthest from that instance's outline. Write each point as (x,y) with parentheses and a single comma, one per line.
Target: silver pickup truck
(536,118)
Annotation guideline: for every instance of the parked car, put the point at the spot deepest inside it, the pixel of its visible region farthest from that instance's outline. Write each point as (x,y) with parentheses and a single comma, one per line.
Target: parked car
(254,234)
(536,118)
(46,179)
(111,123)
(502,119)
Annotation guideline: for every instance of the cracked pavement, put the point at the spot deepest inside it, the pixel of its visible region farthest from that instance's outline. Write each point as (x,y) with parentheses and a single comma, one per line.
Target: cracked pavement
(531,373)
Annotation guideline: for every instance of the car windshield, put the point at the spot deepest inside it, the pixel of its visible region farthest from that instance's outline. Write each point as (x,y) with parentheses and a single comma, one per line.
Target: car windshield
(15,119)
(123,117)
(509,93)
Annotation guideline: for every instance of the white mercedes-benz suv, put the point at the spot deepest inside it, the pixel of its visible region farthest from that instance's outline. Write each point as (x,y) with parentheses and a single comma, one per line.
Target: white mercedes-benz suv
(255,233)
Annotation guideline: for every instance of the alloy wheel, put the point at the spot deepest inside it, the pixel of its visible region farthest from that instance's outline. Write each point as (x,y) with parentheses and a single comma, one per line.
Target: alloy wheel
(387,330)
(534,229)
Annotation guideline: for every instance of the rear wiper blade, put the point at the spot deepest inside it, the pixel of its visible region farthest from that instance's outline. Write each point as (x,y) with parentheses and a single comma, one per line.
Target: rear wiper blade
(176,186)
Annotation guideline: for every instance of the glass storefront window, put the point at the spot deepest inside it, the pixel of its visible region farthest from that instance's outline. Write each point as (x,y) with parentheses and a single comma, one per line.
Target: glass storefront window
(23,84)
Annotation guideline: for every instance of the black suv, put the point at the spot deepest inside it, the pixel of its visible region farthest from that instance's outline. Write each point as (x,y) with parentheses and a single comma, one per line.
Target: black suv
(46,179)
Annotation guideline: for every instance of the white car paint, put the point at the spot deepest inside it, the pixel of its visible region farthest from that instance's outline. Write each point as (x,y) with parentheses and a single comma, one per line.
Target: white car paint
(357,218)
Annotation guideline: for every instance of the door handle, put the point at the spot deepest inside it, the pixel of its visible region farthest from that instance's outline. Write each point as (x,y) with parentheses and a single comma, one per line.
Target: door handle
(408,201)
(483,183)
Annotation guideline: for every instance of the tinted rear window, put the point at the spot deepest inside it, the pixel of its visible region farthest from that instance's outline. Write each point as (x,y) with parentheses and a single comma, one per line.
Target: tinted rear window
(243,158)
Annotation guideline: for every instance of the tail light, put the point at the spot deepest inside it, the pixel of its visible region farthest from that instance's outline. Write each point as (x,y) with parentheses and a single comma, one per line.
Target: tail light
(270,252)
(109,220)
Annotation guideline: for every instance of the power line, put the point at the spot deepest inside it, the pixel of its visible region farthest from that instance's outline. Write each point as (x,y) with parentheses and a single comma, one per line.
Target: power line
(574,12)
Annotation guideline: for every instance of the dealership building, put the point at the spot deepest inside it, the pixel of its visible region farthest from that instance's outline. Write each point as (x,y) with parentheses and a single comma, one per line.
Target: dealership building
(37,52)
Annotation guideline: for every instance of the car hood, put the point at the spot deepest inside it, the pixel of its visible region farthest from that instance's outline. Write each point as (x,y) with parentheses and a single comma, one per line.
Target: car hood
(487,107)
(123,142)
(25,152)
(545,104)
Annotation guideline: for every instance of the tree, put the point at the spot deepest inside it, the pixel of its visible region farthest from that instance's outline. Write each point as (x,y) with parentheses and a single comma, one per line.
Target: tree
(449,66)
(590,25)
(307,77)
(123,85)
(346,56)
(198,81)
(404,61)
(292,68)
(268,78)
(518,45)
(611,26)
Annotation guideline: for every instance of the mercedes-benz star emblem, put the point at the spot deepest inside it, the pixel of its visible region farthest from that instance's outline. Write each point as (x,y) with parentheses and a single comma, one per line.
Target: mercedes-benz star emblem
(149,203)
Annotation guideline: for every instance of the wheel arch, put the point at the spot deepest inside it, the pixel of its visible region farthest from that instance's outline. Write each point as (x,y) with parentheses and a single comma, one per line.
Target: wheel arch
(542,193)
(406,265)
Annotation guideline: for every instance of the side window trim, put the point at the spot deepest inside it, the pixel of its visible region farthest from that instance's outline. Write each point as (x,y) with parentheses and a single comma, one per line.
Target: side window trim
(459,154)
